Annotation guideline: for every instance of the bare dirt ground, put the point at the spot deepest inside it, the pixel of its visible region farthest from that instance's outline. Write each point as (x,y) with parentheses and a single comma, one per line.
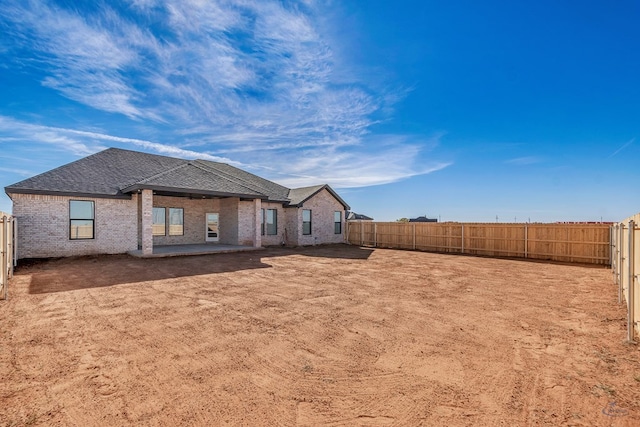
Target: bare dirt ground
(337,335)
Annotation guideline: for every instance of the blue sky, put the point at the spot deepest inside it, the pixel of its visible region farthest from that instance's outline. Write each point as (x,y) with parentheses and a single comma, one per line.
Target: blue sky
(462,110)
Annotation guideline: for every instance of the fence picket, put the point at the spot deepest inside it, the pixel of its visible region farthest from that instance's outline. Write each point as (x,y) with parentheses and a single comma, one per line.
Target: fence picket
(626,267)
(583,243)
(7,251)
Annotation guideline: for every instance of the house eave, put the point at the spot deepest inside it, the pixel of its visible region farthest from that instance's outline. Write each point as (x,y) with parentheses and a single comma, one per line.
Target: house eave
(10,191)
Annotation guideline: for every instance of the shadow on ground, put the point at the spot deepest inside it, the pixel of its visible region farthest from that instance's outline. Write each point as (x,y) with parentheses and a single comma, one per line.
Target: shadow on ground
(68,274)
(338,251)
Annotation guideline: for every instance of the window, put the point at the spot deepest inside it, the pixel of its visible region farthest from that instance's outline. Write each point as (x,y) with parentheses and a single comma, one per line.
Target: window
(272,222)
(176,222)
(81,219)
(306,221)
(337,222)
(262,222)
(159,222)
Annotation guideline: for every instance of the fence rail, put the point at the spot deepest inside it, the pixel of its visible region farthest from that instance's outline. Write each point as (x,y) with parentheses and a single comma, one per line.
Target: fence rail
(625,264)
(579,243)
(7,252)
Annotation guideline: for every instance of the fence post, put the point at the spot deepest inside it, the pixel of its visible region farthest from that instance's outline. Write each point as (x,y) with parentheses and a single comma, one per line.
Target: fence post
(462,240)
(615,254)
(611,246)
(3,257)
(526,240)
(612,249)
(630,290)
(621,263)
(11,251)
(375,235)
(361,233)
(414,236)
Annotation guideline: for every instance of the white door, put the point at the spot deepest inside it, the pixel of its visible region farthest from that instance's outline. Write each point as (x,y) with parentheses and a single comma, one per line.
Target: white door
(212,231)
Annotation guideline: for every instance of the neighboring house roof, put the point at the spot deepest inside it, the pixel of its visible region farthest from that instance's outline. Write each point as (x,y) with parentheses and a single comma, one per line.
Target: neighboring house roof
(423,219)
(298,196)
(115,172)
(352,216)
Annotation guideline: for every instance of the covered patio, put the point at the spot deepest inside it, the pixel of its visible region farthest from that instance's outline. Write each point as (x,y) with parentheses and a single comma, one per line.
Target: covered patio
(185,250)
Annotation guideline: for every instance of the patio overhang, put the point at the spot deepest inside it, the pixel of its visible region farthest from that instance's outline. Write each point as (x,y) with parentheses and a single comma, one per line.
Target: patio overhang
(192,193)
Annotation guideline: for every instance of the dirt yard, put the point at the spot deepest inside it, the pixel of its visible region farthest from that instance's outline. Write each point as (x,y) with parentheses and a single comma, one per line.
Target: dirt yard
(338,335)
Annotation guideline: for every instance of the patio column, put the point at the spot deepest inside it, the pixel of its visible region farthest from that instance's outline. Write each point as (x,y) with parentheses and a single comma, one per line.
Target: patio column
(257,236)
(147,222)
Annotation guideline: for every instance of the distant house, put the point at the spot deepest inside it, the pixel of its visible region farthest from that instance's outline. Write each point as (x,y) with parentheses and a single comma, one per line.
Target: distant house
(423,219)
(117,201)
(352,216)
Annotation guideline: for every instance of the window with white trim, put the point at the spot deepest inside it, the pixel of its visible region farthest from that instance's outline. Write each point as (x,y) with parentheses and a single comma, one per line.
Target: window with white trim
(176,222)
(159,222)
(272,222)
(337,222)
(81,219)
(306,221)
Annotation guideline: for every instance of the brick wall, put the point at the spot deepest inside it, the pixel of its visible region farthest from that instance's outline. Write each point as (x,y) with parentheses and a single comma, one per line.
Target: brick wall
(43,223)
(195,211)
(43,226)
(322,206)
(246,222)
(279,237)
(229,220)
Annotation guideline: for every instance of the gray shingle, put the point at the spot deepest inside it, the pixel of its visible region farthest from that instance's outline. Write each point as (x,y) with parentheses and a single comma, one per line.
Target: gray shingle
(115,172)
(298,196)
(193,178)
(275,192)
(103,174)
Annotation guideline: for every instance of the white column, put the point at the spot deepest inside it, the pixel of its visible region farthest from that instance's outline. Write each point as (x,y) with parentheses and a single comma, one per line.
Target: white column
(147,222)
(257,235)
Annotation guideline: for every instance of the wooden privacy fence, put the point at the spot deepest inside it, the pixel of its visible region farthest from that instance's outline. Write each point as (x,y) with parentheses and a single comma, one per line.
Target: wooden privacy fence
(625,264)
(7,252)
(582,243)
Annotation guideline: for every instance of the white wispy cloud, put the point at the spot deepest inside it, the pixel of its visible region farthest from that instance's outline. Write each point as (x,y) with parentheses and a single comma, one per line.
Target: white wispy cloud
(250,79)
(22,172)
(83,143)
(622,147)
(21,134)
(524,161)
(84,60)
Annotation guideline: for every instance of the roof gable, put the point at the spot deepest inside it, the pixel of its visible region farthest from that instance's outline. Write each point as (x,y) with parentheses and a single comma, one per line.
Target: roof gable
(191,178)
(298,196)
(274,191)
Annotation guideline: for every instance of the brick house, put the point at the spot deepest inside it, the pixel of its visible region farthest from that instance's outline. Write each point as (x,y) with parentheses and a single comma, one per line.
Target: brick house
(118,201)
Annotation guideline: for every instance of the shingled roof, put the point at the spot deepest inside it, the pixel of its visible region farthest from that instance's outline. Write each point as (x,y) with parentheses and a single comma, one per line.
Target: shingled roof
(115,172)
(297,196)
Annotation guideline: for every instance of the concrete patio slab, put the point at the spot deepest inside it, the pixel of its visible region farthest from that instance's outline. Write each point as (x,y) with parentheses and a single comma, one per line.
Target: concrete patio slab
(186,250)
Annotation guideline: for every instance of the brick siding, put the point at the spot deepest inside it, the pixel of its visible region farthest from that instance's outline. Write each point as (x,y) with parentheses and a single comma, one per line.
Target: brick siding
(195,211)
(279,237)
(322,206)
(43,226)
(43,223)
